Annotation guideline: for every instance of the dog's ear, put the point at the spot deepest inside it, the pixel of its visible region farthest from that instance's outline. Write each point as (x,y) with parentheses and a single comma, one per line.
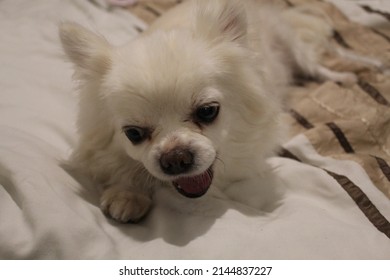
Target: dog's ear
(221,19)
(87,50)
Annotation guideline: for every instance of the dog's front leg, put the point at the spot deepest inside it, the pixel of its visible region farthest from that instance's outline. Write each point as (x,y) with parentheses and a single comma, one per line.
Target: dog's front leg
(124,204)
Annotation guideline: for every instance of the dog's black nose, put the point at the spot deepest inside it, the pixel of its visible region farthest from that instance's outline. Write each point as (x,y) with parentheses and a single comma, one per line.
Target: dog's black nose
(176,161)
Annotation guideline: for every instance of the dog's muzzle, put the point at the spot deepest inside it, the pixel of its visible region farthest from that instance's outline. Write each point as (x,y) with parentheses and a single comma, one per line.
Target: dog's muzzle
(180,161)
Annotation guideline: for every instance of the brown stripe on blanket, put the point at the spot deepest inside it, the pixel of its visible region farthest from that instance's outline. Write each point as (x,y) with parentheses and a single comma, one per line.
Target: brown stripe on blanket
(373,92)
(340,40)
(149,10)
(288,3)
(387,38)
(287,154)
(341,137)
(363,202)
(301,119)
(153,11)
(358,196)
(383,166)
(374,11)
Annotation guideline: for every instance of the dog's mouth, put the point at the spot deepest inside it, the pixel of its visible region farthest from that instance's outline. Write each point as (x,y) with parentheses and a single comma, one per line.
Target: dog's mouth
(195,186)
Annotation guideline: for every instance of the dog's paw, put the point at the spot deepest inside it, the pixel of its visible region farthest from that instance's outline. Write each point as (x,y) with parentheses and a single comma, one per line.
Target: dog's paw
(124,205)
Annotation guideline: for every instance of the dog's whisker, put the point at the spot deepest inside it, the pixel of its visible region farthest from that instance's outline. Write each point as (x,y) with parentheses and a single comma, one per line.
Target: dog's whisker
(222,162)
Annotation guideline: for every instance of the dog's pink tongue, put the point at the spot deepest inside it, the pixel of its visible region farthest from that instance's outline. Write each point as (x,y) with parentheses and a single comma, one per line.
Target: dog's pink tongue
(194,186)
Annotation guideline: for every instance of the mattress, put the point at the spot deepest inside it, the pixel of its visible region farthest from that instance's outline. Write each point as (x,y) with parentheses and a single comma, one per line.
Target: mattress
(332,172)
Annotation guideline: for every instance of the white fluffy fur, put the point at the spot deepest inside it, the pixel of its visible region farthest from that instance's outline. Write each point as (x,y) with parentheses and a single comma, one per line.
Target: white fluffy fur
(238,54)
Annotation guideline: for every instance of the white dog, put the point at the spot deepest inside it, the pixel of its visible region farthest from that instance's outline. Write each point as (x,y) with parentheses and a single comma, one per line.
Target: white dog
(193,103)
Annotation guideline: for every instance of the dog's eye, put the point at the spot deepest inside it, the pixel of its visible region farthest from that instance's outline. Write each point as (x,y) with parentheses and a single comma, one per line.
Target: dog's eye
(207,113)
(136,134)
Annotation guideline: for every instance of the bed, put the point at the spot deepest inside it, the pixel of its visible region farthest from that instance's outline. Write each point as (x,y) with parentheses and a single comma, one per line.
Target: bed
(333,169)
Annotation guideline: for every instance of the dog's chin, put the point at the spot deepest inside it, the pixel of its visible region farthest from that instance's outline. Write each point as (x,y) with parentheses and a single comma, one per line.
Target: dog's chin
(194,186)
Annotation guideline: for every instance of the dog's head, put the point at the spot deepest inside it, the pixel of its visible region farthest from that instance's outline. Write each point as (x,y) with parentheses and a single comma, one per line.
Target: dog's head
(183,102)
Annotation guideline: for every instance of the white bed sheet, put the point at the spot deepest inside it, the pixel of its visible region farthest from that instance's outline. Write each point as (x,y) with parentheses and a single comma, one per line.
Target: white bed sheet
(45,213)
